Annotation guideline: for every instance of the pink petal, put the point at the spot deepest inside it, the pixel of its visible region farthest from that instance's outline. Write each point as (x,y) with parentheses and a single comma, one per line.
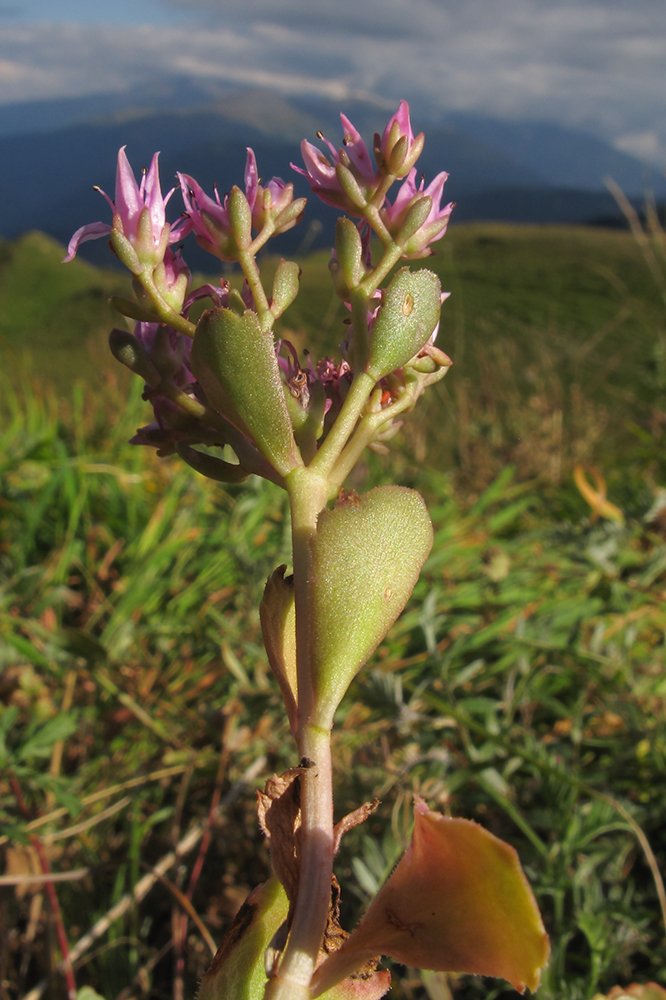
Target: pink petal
(251,178)
(128,197)
(153,198)
(92,231)
(357,150)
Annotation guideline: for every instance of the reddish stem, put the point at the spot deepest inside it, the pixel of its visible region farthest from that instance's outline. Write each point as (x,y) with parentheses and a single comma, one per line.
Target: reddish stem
(179,937)
(51,893)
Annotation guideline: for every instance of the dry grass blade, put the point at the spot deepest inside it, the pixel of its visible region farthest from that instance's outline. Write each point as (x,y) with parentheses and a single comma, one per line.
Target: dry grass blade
(141,889)
(88,824)
(104,793)
(189,909)
(73,876)
(653,864)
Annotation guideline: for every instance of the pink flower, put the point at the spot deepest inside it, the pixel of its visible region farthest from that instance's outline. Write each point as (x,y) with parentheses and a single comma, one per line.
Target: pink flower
(210,221)
(433,228)
(139,215)
(323,175)
(208,218)
(398,148)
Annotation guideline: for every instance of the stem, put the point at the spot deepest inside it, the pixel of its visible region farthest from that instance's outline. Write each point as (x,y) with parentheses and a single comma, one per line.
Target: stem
(357,397)
(372,281)
(163,309)
(368,428)
(307,493)
(192,406)
(253,277)
(371,214)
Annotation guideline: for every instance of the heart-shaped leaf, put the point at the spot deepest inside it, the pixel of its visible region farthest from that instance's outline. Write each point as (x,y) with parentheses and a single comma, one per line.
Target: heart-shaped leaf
(367,556)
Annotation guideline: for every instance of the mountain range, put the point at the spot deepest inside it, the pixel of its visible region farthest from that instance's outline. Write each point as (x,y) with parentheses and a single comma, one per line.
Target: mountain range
(54,151)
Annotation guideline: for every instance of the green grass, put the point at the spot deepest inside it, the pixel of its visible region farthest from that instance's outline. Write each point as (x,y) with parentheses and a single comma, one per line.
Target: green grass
(524,686)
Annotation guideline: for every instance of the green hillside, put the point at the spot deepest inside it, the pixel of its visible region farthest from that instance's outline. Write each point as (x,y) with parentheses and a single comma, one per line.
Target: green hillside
(57,315)
(554,333)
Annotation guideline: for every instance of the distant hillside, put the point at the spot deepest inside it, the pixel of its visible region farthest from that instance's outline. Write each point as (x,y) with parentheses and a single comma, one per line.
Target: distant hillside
(53,153)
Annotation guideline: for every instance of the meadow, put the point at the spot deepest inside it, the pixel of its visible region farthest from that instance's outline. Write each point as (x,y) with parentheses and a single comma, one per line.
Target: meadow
(524,686)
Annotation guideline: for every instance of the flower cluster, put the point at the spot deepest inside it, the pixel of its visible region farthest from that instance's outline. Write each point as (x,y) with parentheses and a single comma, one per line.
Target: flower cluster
(233,228)
(348,180)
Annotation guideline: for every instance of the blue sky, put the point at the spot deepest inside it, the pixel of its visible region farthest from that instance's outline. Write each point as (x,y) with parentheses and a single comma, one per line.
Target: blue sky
(92,12)
(596,65)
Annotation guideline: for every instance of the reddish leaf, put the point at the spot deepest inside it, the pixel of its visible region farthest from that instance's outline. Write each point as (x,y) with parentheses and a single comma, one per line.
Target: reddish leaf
(457,902)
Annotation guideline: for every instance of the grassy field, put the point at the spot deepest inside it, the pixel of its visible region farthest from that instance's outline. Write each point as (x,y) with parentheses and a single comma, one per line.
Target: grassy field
(523,687)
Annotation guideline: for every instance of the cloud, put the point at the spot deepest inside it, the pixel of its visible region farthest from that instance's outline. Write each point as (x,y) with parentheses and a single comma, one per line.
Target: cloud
(592,64)
(643,145)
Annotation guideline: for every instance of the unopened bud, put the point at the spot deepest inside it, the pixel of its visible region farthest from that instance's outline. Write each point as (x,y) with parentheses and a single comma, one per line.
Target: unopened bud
(349,251)
(414,219)
(398,154)
(285,286)
(290,215)
(350,186)
(240,218)
(130,352)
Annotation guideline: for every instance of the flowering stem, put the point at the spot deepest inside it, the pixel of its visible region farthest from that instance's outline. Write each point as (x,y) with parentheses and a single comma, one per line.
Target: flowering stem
(372,281)
(371,213)
(307,494)
(253,277)
(353,406)
(164,310)
(191,405)
(369,426)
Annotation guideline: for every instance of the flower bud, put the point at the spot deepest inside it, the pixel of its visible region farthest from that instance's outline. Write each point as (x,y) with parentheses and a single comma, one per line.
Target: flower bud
(290,215)
(240,218)
(350,186)
(349,251)
(130,352)
(414,219)
(285,286)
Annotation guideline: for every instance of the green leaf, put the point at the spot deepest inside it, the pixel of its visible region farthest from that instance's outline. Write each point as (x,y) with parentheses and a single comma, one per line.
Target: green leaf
(87,993)
(235,362)
(367,556)
(41,743)
(405,321)
(238,967)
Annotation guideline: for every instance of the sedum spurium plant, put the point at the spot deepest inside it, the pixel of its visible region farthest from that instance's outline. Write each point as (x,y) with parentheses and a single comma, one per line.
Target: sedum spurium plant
(231,402)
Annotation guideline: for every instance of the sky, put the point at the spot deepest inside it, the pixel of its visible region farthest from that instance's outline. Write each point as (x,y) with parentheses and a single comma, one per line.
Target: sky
(596,65)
